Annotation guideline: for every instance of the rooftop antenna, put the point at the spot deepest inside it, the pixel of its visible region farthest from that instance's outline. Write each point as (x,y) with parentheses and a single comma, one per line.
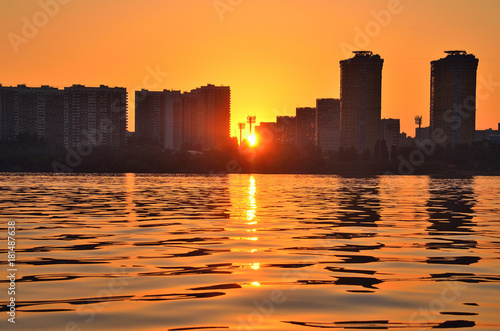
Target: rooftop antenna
(418,121)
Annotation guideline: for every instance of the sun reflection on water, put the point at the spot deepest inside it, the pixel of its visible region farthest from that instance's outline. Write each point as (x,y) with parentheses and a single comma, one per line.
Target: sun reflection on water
(252,205)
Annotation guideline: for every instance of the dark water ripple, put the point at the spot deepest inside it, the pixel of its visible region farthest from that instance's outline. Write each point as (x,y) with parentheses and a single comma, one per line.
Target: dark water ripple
(261,252)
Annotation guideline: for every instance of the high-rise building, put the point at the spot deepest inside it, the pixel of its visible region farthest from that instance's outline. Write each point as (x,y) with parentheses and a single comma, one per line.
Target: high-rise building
(328,124)
(77,114)
(285,129)
(97,115)
(158,117)
(147,115)
(50,113)
(206,117)
(360,100)
(198,119)
(19,113)
(453,97)
(172,120)
(7,113)
(29,112)
(390,131)
(305,122)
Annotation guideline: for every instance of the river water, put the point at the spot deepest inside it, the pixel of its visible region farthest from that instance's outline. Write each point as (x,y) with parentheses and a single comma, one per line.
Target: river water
(251,252)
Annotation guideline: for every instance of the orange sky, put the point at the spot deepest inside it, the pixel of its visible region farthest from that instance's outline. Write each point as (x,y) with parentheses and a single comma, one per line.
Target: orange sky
(275,54)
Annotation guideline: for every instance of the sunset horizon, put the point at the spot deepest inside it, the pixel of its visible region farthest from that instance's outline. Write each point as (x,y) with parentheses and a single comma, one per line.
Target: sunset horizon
(249,165)
(286,59)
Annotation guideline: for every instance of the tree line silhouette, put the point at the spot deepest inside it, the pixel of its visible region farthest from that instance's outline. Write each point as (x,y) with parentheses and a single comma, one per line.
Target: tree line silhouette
(29,155)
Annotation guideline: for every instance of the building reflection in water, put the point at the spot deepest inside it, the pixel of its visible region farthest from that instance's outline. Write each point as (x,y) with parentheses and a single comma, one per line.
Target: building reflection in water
(129,197)
(450,208)
(359,202)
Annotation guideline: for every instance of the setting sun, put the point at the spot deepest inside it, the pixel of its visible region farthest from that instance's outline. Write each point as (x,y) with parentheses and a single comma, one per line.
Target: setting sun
(252,139)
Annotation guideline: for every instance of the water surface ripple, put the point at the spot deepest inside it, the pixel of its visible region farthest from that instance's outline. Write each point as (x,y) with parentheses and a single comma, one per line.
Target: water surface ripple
(252,252)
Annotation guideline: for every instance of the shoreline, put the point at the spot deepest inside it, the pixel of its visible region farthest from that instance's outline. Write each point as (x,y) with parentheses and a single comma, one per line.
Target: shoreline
(456,175)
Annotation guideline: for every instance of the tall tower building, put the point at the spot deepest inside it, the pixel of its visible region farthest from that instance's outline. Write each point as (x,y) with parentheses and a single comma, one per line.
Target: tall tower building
(453,96)
(328,124)
(305,121)
(360,100)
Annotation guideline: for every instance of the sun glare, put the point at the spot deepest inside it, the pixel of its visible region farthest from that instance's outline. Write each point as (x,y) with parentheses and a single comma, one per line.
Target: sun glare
(252,140)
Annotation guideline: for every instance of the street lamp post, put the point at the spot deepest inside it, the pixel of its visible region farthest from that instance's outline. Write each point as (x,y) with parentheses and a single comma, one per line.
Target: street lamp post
(241,126)
(251,120)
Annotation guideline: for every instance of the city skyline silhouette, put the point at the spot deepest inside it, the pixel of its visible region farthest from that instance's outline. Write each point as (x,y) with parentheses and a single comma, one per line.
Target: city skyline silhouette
(200,119)
(270,72)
